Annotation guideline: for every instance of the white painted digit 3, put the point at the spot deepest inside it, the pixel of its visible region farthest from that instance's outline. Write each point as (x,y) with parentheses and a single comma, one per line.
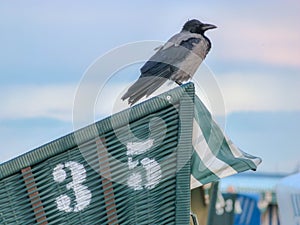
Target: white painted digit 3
(82,194)
(227,206)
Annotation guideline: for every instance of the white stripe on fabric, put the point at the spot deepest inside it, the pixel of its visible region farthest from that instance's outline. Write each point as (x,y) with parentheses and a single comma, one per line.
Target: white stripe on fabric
(194,182)
(217,166)
(256,161)
(234,149)
(239,154)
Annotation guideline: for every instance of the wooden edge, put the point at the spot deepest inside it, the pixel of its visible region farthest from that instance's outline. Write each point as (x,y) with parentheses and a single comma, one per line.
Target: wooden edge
(34,197)
(107,185)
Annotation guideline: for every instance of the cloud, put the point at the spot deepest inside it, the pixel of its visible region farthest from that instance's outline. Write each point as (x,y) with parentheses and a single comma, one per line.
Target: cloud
(260,92)
(56,101)
(33,101)
(247,92)
(274,42)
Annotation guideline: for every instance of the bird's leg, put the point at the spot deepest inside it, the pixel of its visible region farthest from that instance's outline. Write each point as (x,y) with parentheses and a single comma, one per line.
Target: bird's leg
(178,82)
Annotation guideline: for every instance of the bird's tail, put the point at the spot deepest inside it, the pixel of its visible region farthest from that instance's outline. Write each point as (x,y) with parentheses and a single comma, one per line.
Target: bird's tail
(144,86)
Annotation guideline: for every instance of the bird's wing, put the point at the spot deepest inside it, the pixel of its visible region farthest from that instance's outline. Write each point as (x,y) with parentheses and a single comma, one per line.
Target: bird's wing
(173,52)
(162,65)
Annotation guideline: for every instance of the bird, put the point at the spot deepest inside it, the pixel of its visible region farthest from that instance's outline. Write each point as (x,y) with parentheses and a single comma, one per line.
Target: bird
(176,60)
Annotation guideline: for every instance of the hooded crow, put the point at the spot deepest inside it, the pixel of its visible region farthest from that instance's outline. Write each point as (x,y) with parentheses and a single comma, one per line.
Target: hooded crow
(177,60)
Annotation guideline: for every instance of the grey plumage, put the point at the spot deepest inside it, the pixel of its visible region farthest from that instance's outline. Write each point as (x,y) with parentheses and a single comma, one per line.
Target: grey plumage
(177,60)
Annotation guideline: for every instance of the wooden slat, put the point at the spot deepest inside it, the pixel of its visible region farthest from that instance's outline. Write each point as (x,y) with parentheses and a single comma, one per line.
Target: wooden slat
(34,196)
(107,185)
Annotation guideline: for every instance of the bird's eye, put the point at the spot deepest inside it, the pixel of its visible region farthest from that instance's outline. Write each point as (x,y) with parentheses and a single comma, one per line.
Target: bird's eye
(195,29)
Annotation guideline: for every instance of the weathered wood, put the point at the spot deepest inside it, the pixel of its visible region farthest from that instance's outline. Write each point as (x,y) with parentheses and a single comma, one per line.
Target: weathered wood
(34,196)
(104,169)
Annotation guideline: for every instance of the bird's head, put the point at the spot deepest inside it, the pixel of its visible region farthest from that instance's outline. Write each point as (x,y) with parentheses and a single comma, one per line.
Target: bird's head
(195,26)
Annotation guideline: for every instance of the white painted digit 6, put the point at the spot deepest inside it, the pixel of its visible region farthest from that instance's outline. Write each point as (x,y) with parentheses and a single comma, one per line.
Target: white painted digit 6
(82,193)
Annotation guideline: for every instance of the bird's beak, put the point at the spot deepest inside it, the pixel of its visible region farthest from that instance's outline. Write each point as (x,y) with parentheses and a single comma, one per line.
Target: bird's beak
(208,26)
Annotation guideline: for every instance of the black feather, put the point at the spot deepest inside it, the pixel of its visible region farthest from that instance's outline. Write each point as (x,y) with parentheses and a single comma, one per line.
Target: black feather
(164,63)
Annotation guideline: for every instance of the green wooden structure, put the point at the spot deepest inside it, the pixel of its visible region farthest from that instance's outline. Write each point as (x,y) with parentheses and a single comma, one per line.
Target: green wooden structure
(130,168)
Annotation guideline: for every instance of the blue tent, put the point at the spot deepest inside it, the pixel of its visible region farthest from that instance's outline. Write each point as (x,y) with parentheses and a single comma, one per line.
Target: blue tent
(250,213)
(236,209)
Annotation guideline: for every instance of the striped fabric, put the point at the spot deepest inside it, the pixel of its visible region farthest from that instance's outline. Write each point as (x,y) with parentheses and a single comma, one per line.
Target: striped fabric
(249,214)
(214,156)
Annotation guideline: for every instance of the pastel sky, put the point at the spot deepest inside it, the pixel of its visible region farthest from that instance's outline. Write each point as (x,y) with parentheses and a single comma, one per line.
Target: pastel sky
(46,48)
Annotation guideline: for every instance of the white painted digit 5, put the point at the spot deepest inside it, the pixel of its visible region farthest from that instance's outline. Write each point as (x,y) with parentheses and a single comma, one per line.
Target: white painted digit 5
(82,194)
(152,168)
